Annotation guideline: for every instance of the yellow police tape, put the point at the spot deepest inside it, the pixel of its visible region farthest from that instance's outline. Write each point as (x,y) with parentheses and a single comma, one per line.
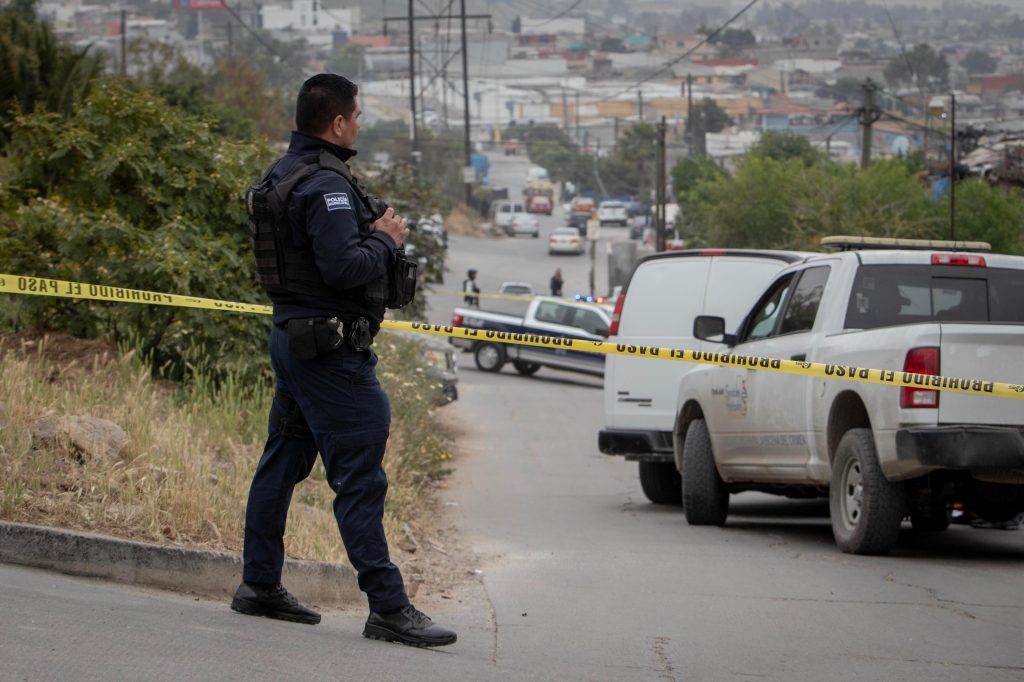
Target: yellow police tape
(38,286)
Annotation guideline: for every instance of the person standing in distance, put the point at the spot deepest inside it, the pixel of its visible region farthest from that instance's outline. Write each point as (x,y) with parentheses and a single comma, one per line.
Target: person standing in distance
(470,289)
(325,290)
(556,283)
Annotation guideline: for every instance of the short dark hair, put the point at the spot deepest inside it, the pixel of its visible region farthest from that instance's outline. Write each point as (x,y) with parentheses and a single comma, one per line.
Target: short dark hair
(322,98)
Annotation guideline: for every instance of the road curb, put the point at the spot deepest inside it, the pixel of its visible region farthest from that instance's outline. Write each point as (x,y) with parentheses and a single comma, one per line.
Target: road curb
(204,572)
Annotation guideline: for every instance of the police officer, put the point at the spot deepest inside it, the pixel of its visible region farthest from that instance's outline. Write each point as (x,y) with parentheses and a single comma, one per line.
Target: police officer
(321,277)
(470,289)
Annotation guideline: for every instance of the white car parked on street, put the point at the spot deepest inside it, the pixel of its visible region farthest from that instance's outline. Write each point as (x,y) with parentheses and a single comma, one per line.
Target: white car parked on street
(566,240)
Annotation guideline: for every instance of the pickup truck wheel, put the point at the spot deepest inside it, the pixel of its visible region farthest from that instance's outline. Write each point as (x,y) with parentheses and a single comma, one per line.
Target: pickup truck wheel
(661,483)
(525,368)
(866,508)
(489,357)
(705,497)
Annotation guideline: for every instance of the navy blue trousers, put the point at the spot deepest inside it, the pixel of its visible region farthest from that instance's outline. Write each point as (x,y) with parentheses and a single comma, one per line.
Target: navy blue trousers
(349,417)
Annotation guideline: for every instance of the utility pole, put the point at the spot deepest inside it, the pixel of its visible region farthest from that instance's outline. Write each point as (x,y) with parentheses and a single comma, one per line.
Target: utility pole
(689,111)
(952,167)
(465,96)
(422,105)
(867,116)
(576,113)
(411,19)
(565,113)
(124,43)
(412,84)
(660,189)
(639,105)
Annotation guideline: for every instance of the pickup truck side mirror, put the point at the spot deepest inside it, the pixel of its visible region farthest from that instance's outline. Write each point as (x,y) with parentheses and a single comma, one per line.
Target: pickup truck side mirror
(602,331)
(710,328)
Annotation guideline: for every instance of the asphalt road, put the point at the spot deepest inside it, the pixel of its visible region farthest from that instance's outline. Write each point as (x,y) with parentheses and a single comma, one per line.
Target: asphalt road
(582,579)
(522,258)
(615,588)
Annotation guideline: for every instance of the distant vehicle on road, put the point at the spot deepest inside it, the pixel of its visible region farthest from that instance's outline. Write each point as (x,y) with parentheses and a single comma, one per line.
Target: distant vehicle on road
(539,204)
(513,147)
(582,212)
(612,213)
(566,240)
(523,223)
(504,212)
(545,316)
(516,288)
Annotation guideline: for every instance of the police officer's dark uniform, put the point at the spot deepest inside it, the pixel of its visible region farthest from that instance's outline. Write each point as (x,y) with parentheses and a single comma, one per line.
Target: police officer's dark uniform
(327,267)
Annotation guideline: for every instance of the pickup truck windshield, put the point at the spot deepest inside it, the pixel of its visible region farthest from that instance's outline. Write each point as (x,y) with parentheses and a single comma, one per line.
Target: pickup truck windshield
(888,295)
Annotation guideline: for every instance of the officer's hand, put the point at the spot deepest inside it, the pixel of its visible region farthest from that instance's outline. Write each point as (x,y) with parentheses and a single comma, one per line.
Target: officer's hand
(392,225)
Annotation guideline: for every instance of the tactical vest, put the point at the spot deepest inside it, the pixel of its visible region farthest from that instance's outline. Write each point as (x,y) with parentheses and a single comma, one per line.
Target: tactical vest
(283,268)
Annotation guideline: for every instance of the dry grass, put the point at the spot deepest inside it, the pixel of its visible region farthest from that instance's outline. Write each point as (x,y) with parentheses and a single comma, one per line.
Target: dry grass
(464,221)
(184,476)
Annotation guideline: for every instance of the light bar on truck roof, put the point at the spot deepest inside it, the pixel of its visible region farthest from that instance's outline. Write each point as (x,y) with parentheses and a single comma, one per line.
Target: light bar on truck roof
(847,243)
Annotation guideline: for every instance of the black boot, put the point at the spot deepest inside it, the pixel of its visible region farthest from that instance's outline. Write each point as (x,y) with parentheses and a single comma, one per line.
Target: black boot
(407,626)
(272,601)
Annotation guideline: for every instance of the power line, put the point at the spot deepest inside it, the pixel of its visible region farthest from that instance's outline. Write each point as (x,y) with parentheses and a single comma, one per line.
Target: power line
(686,54)
(561,14)
(248,28)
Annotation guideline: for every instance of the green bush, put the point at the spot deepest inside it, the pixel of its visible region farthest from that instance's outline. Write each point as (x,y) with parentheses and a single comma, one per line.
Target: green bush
(130,192)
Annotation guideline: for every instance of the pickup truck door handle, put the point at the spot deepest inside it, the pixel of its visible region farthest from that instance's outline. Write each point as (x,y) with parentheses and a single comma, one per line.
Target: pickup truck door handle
(799,357)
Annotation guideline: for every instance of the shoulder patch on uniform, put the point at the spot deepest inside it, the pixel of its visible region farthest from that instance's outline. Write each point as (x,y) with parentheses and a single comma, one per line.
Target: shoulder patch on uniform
(337,200)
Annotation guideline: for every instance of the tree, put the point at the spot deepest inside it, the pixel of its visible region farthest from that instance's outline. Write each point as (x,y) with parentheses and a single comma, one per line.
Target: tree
(692,171)
(706,117)
(630,169)
(37,72)
(786,145)
(234,94)
(348,60)
(845,89)
(785,203)
(978,61)
(687,176)
(731,40)
(989,214)
(922,67)
(130,192)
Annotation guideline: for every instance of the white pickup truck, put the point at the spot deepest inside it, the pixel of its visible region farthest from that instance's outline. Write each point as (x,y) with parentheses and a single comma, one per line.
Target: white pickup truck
(545,316)
(881,453)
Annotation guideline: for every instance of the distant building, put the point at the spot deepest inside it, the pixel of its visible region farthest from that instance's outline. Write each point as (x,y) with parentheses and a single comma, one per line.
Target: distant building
(822,41)
(989,86)
(308,16)
(678,43)
(785,116)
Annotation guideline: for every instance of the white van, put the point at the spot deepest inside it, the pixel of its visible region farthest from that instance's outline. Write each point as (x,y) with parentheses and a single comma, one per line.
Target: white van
(664,294)
(503,213)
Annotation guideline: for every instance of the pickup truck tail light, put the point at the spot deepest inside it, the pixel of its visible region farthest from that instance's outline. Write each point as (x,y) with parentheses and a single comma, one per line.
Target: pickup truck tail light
(920,361)
(457,320)
(616,314)
(958,259)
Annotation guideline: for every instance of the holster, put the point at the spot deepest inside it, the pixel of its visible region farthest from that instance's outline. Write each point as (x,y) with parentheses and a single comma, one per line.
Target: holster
(312,337)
